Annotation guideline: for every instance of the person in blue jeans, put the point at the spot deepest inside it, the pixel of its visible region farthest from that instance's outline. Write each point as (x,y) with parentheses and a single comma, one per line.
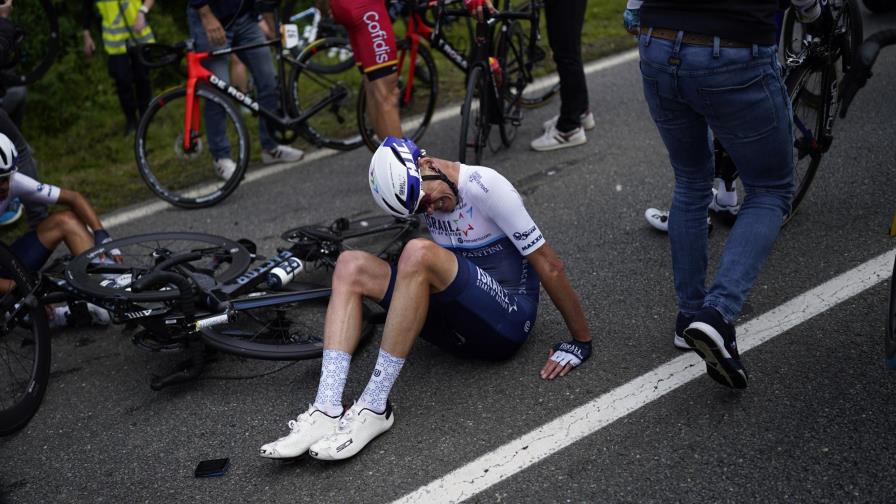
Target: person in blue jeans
(215,24)
(712,65)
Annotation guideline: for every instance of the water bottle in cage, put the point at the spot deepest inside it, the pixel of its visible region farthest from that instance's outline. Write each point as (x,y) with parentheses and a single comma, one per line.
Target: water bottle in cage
(284,272)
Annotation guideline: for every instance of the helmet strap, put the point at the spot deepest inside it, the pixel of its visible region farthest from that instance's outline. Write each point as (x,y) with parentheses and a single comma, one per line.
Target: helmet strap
(441,176)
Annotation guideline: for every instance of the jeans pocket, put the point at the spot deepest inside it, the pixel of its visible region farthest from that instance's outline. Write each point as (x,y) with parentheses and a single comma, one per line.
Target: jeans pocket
(743,111)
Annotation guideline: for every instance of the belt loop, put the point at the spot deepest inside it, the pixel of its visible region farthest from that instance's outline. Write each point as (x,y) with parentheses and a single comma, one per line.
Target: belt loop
(755,50)
(649,36)
(677,48)
(715,47)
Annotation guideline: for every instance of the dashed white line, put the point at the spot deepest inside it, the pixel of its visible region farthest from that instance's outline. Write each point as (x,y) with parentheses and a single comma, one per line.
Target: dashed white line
(515,456)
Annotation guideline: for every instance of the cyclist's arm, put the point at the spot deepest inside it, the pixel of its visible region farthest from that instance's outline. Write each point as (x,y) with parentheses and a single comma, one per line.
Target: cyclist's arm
(553,277)
(81,207)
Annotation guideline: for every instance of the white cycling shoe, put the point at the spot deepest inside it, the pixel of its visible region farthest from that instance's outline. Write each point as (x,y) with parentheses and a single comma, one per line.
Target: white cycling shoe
(308,428)
(357,427)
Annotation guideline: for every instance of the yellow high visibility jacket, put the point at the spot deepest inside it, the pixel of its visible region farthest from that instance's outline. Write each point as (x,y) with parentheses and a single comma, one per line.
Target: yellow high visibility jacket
(118,19)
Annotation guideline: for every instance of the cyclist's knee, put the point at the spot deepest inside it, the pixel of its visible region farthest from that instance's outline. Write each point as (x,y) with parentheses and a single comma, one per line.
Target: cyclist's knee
(418,257)
(353,270)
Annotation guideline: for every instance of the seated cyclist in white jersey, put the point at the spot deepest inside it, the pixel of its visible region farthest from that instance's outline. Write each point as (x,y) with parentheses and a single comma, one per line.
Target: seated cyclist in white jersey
(69,226)
(472,290)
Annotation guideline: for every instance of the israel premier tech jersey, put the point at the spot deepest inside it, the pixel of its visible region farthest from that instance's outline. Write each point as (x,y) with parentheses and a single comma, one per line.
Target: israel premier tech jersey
(490,227)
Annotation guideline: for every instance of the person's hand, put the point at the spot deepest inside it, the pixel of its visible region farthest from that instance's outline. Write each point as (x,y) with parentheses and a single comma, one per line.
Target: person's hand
(213,30)
(100,237)
(631,20)
(266,29)
(6,9)
(476,8)
(89,45)
(139,22)
(564,357)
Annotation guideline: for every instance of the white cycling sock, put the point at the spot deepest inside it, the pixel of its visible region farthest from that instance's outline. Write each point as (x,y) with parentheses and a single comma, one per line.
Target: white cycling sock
(724,196)
(384,374)
(333,373)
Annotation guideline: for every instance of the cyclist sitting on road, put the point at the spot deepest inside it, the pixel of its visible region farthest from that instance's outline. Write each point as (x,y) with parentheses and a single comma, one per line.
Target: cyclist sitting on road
(69,226)
(473,290)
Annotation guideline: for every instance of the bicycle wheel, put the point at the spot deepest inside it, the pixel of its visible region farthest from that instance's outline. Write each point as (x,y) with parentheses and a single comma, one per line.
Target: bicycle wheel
(332,123)
(890,341)
(512,59)
(186,176)
(290,331)
(808,98)
(218,259)
(474,126)
(24,347)
(418,87)
(850,32)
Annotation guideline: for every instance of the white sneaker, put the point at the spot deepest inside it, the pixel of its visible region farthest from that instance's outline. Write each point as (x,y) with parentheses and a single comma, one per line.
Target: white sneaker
(308,428)
(98,315)
(281,154)
(224,168)
(553,139)
(659,219)
(587,120)
(357,427)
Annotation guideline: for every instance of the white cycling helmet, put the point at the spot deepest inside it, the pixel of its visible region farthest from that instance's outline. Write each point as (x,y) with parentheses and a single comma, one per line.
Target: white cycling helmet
(394,176)
(8,156)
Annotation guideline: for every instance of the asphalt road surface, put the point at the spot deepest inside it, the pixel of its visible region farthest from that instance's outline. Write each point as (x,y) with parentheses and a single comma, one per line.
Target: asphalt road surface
(816,423)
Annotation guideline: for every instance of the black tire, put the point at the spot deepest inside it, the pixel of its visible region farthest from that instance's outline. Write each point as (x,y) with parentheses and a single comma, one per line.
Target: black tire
(24,347)
(220,258)
(513,59)
(415,110)
(851,33)
(39,49)
(807,100)
(187,177)
(312,81)
(475,126)
(292,331)
(890,338)
(879,6)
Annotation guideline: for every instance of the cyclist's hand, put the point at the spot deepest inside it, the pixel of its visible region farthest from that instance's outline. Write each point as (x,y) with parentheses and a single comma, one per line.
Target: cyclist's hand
(475,7)
(100,237)
(564,357)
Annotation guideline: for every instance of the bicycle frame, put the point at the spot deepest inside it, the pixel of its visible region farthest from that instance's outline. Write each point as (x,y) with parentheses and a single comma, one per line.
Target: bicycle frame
(196,73)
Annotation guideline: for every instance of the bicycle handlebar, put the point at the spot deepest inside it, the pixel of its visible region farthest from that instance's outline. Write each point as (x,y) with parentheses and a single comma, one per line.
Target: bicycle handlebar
(156,55)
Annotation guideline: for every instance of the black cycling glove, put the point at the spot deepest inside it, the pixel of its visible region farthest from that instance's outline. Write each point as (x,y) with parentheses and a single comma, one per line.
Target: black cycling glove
(571,352)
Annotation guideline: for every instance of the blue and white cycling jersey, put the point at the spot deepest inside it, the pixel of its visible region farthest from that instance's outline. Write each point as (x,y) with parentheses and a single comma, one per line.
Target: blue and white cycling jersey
(491,227)
(30,190)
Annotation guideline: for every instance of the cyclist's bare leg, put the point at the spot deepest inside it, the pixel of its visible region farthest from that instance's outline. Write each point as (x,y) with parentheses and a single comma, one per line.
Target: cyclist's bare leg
(423,269)
(65,227)
(382,105)
(358,274)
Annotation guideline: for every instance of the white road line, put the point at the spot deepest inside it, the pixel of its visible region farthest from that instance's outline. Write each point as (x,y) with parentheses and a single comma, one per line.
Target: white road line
(517,455)
(122,217)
